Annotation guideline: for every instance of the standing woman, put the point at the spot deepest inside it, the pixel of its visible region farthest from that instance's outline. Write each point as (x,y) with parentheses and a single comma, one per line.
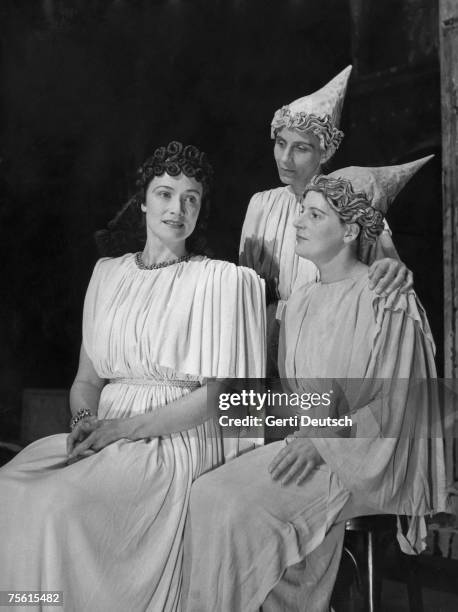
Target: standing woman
(104,523)
(306,134)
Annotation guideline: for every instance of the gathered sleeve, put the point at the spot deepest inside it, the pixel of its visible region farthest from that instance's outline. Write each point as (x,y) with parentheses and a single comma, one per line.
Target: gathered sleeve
(91,303)
(242,328)
(394,461)
(234,338)
(218,324)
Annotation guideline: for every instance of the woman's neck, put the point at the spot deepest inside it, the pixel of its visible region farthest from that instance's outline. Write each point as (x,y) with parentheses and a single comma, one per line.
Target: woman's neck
(344,265)
(156,252)
(299,188)
(296,191)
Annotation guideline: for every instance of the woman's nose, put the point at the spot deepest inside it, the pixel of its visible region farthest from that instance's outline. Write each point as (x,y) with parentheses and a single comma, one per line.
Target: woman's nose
(298,221)
(176,205)
(285,155)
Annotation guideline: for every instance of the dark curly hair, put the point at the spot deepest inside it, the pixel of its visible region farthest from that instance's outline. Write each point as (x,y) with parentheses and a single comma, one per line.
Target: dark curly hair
(351,206)
(126,232)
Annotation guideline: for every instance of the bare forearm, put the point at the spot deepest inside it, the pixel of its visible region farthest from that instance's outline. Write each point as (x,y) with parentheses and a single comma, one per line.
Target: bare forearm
(185,413)
(386,246)
(85,395)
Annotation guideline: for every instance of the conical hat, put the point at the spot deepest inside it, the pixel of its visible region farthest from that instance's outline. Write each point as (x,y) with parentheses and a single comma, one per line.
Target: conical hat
(382,184)
(318,112)
(327,101)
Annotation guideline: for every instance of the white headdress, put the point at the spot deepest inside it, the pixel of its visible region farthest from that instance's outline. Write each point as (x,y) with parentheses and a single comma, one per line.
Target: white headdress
(362,195)
(380,184)
(318,112)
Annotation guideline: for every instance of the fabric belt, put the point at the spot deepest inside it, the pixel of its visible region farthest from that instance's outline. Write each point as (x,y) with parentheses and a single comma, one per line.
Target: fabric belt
(157,382)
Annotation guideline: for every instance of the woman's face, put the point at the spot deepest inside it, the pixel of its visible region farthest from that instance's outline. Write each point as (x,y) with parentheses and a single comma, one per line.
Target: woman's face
(298,157)
(172,206)
(320,234)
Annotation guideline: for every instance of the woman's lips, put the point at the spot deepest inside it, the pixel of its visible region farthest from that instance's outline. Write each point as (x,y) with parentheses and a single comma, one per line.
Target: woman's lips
(173,223)
(286,171)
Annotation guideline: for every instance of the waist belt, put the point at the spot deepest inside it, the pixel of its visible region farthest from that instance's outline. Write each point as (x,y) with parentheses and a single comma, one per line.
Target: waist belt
(157,382)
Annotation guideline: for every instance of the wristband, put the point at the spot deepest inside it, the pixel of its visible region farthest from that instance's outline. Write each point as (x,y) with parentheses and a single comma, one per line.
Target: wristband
(79,416)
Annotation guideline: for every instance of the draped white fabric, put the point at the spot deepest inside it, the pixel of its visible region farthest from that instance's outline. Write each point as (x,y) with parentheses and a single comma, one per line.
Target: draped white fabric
(268,241)
(108,529)
(380,351)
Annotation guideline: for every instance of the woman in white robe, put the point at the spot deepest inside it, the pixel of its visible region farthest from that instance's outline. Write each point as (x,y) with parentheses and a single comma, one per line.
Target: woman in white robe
(306,134)
(99,515)
(267,512)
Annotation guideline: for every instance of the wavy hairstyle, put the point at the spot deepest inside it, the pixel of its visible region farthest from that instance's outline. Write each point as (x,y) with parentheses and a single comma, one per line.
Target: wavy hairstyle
(323,128)
(351,206)
(126,232)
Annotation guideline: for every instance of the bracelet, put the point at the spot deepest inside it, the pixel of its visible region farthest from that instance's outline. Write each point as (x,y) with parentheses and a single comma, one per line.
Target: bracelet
(290,438)
(79,416)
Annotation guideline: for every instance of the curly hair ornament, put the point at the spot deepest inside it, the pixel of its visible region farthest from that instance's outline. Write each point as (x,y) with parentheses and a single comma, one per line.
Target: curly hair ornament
(351,206)
(318,112)
(126,231)
(175,159)
(363,195)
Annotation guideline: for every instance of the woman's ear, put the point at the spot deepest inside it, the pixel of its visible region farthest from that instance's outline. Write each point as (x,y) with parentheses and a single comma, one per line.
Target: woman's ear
(352,232)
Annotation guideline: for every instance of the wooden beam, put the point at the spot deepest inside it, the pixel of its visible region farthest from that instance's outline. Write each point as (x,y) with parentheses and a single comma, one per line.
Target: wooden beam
(448,39)
(448,35)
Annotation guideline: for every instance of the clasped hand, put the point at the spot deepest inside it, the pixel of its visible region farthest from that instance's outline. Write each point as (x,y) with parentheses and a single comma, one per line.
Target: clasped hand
(295,461)
(91,435)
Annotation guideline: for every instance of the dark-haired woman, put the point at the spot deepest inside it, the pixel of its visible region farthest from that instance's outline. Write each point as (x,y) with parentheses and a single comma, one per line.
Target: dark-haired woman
(100,515)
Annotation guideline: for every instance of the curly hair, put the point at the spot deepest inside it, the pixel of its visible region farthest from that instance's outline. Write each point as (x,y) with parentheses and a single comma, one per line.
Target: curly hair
(126,232)
(322,127)
(351,206)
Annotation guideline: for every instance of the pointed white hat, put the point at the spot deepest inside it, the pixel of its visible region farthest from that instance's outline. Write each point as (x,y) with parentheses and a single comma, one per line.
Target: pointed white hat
(318,112)
(363,195)
(381,184)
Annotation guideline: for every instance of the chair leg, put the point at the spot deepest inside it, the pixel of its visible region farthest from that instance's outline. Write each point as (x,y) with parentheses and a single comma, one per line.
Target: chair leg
(374,581)
(413,585)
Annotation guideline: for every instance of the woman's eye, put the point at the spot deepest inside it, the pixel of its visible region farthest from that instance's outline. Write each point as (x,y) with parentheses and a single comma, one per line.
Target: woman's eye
(191,200)
(164,194)
(303,148)
(280,143)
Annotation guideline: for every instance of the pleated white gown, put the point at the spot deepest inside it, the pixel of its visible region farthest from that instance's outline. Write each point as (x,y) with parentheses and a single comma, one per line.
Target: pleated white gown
(108,530)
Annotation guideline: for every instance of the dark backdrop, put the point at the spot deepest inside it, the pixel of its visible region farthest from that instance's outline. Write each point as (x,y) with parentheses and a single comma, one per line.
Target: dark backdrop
(91,87)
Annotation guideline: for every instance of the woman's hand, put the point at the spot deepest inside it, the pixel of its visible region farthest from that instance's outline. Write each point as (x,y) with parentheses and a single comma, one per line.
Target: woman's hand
(91,435)
(386,275)
(295,461)
(80,432)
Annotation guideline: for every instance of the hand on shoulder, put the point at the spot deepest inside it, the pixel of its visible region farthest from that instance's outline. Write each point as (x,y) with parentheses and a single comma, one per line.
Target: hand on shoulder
(388,275)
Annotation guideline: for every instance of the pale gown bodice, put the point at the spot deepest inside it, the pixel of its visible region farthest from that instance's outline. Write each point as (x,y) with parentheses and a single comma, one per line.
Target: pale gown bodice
(198,319)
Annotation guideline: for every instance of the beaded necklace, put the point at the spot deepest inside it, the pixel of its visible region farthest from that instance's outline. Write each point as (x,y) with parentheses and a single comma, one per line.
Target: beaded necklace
(163,264)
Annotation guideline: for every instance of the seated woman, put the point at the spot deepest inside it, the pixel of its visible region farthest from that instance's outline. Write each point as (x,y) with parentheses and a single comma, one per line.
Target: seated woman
(254,519)
(107,530)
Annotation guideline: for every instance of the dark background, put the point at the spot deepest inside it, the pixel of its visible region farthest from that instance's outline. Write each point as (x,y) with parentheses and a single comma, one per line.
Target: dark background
(90,87)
